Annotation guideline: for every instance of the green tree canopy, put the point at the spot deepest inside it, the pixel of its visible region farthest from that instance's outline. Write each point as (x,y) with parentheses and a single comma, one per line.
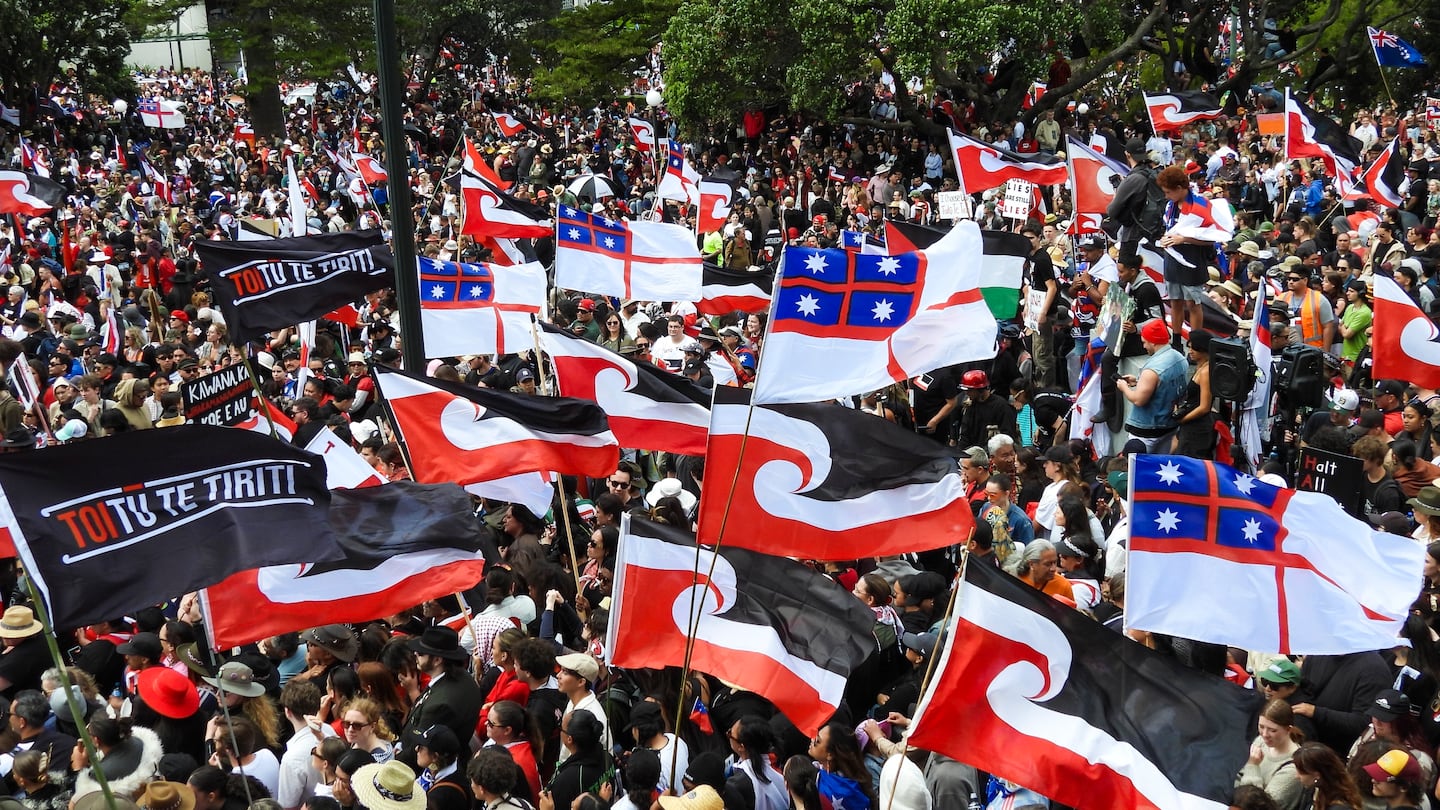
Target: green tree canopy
(38,41)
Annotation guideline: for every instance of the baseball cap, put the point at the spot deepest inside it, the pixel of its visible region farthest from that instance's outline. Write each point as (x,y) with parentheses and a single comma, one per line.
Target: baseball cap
(1395,766)
(1392,387)
(923,643)
(1281,671)
(1389,706)
(1345,400)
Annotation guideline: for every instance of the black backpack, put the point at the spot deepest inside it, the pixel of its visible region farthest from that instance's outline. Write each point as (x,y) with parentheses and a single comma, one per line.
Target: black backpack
(1151,221)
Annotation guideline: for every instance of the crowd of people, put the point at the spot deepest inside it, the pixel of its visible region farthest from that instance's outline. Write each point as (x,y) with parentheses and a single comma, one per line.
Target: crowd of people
(505,700)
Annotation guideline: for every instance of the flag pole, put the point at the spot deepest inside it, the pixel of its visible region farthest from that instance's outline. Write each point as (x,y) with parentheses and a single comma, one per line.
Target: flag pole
(203,597)
(694,626)
(935,655)
(91,753)
(259,395)
(559,479)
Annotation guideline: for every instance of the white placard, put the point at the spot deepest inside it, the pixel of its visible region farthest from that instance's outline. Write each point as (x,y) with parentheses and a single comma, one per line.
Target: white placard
(954,205)
(1018,199)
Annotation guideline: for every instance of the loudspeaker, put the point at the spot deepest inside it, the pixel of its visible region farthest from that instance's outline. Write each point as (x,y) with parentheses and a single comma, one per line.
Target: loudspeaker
(1232,372)
(1300,376)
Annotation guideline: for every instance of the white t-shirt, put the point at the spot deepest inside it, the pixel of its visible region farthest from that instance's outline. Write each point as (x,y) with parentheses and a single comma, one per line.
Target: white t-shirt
(591,704)
(265,767)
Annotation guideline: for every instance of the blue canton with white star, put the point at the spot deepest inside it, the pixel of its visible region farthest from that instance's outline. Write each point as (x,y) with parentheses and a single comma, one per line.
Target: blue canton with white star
(453,283)
(1188,500)
(846,291)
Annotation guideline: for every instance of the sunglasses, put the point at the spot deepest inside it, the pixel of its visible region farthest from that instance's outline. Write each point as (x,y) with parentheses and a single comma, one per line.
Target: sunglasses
(353,726)
(642,346)
(619,484)
(1295,278)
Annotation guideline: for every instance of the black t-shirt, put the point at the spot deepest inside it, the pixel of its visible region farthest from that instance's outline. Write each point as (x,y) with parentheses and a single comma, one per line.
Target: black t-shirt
(1380,497)
(1042,271)
(1148,305)
(1200,258)
(932,391)
(547,706)
(23,665)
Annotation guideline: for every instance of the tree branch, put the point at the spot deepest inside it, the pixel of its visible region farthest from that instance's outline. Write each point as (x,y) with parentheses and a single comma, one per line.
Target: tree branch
(1093,70)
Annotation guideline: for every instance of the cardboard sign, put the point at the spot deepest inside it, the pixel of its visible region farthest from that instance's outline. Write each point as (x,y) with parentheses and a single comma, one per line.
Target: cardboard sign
(1270,123)
(1333,474)
(954,205)
(1018,199)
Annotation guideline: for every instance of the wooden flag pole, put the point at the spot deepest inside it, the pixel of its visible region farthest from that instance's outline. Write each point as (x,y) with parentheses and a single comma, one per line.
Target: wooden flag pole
(259,395)
(724,523)
(78,715)
(935,654)
(559,479)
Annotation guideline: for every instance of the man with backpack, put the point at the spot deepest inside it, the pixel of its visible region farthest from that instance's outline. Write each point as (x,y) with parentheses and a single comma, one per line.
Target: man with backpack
(1138,208)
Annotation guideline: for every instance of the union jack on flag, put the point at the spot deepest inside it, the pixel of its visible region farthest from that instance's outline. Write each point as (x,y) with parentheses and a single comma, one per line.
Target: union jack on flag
(1392,51)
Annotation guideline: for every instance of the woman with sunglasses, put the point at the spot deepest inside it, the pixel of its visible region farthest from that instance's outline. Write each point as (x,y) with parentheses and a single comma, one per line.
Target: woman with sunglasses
(509,726)
(365,729)
(612,333)
(844,775)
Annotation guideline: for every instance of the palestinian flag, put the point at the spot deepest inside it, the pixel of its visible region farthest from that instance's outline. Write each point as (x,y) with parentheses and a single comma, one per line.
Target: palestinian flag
(1002,270)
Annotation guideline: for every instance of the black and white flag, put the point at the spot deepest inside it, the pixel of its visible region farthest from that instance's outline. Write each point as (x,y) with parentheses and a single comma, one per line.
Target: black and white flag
(263,286)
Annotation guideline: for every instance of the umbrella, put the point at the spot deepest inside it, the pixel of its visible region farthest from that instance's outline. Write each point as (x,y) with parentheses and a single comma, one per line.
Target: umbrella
(593,187)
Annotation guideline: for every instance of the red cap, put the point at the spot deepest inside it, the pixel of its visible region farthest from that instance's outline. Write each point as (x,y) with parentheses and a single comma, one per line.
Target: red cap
(586,305)
(179,314)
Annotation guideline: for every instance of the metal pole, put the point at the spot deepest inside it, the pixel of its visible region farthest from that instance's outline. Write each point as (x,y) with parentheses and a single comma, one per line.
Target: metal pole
(402,224)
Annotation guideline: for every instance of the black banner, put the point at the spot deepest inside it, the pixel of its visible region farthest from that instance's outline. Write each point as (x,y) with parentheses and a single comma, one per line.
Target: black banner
(267,285)
(224,398)
(159,513)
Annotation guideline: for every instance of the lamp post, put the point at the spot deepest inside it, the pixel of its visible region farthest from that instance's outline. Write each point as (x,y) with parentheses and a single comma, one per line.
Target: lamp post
(121,107)
(654,98)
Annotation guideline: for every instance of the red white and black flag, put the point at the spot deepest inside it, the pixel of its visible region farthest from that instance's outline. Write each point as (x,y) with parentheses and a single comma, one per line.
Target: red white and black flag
(825,482)
(647,408)
(166,521)
(509,125)
(1171,111)
(383,570)
(1382,179)
(1054,701)
(1308,134)
(725,291)
(29,194)
(775,627)
(1405,343)
(488,211)
(466,435)
(982,166)
(262,286)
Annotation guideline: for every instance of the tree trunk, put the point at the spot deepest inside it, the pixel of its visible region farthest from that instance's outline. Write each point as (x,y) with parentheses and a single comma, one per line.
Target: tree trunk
(262,92)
